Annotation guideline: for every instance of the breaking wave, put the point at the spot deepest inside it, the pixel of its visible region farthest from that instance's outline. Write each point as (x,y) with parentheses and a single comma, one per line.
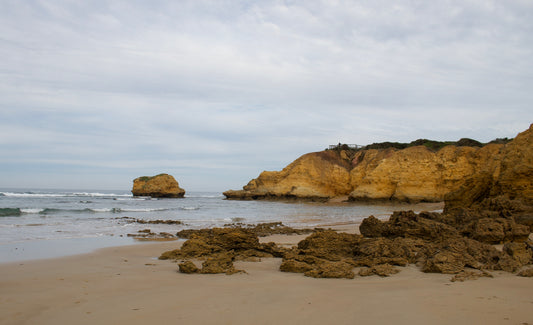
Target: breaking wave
(15,212)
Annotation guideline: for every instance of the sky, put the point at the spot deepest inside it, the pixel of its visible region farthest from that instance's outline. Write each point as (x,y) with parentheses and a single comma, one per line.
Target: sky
(96,93)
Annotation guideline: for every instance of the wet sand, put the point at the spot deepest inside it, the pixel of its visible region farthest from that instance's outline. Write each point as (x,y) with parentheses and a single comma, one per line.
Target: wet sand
(128,285)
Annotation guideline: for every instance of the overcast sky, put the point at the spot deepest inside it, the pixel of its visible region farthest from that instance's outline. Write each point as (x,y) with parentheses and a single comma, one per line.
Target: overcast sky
(96,93)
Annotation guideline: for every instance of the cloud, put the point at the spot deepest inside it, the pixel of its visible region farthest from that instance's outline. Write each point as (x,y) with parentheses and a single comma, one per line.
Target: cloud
(230,88)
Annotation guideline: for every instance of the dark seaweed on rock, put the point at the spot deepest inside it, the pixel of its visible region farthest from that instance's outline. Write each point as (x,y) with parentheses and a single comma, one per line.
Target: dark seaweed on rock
(261,230)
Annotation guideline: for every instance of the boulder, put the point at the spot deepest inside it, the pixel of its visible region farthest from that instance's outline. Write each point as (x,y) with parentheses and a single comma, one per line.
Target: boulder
(160,186)
(188,267)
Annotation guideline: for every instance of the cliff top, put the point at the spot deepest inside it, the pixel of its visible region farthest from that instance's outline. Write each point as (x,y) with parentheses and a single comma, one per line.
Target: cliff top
(430,144)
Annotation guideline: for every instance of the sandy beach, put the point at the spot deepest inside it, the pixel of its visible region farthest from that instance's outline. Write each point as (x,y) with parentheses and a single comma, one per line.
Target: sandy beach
(128,285)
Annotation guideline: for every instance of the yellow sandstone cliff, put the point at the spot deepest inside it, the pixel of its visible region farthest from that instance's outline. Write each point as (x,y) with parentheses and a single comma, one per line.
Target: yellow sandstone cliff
(413,174)
(318,175)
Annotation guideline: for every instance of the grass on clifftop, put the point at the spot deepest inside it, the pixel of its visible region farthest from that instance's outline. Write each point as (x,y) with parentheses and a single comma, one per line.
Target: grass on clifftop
(430,144)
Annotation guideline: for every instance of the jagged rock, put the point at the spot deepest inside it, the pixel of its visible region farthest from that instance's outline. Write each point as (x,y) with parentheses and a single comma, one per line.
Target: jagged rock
(526,273)
(452,255)
(470,275)
(496,230)
(330,245)
(294,266)
(382,270)
(371,227)
(407,224)
(329,269)
(216,240)
(220,263)
(520,252)
(260,230)
(162,185)
(398,251)
(188,267)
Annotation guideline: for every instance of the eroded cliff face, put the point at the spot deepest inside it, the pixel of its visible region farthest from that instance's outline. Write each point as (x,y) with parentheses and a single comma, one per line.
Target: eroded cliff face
(162,185)
(509,177)
(413,174)
(319,176)
(416,174)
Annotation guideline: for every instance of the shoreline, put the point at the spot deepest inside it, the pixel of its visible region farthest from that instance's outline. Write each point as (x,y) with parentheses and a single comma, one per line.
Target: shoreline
(129,285)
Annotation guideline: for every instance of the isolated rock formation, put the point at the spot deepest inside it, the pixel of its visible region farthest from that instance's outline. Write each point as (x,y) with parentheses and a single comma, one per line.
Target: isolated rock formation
(162,185)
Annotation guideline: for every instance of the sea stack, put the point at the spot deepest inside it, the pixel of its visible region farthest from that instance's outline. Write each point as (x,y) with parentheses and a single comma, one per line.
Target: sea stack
(160,186)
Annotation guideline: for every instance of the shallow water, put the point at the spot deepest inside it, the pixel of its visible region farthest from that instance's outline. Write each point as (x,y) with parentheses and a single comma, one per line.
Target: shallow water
(62,222)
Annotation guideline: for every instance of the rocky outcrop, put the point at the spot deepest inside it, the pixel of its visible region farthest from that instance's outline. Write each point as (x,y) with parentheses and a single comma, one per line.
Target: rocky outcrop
(510,182)
(413,174)
(162,185)
(416,173)
(314,176)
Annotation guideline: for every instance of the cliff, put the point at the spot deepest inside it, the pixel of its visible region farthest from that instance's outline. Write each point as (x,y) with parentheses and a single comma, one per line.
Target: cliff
(509,177)
(413,174)
(162,185)
(315,176)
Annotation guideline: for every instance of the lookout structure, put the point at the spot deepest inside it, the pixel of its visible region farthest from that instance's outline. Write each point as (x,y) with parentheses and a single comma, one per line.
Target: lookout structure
(344,146)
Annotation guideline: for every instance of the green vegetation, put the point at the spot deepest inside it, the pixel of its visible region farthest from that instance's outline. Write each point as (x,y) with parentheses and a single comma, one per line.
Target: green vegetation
(147,178)
(430,144)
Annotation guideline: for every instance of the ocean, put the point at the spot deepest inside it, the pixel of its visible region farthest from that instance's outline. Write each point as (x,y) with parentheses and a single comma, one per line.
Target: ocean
(37,223)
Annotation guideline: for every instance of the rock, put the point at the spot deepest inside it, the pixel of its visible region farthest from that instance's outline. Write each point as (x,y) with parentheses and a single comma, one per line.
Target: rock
(160,186)
(371,227)
(220,263)
(448,262)
(382,270)
(336,270)
(526,273)
(407,224)
(315,176)
(260,230)
(398,251)
(330,245)
(294,266)
(496,230)
(470,275)
(451,256)
(520,252)
(188,267)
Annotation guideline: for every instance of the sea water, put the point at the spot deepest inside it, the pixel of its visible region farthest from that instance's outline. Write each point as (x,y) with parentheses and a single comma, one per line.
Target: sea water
(50,223)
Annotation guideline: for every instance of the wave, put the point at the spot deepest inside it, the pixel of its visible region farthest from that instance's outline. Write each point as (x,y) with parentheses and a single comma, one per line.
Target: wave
(10,212)
(67,194)
(189,208)
(15,212)
(204,196)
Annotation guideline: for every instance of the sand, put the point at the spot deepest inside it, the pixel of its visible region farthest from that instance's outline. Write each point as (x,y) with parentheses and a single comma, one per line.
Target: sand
(128,285)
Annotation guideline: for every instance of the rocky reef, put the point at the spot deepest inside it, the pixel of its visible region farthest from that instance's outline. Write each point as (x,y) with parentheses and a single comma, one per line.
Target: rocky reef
(412,174)
(406,238)
(159,186)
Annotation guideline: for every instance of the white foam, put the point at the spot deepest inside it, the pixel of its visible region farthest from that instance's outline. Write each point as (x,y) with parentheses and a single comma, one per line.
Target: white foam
(31,211)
